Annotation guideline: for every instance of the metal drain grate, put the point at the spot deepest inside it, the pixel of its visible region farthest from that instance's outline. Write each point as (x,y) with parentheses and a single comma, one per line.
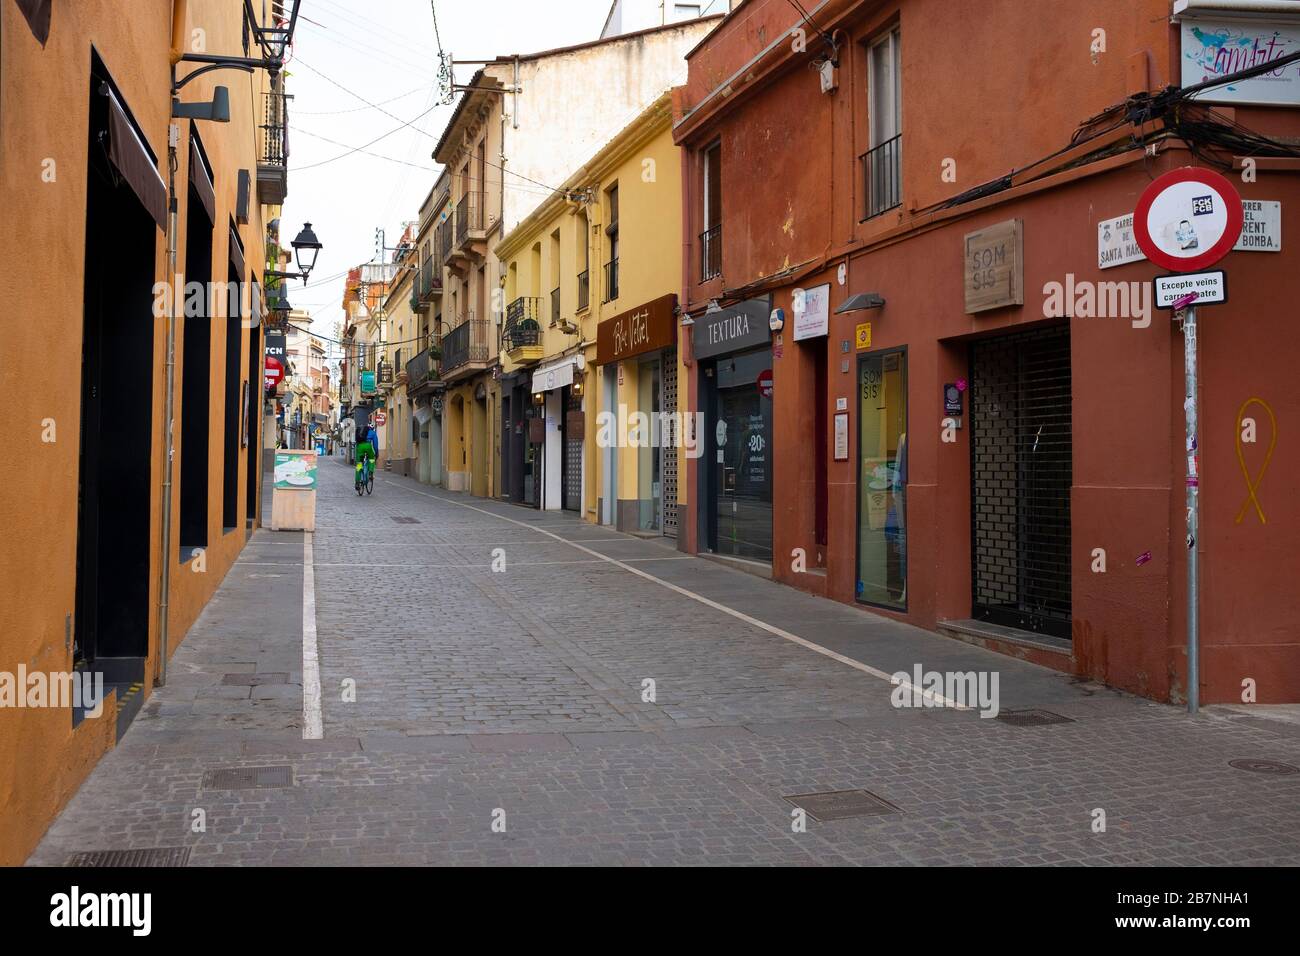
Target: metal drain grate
(1032,718)
(842,804)
(157,856)
(1264,766)
(255,680)
(402,520)
(248,778)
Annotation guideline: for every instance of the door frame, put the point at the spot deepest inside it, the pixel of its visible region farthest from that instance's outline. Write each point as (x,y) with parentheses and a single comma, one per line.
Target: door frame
(857,488)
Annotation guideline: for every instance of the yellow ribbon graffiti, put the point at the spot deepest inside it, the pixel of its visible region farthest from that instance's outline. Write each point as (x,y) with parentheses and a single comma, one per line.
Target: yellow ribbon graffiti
(1253,486)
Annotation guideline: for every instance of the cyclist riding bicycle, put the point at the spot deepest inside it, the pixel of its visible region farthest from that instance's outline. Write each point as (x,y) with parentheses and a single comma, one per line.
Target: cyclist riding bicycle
(367,452)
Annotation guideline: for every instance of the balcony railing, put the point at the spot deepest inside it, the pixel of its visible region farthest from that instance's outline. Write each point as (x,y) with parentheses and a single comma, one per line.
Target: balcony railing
(421,371)
(882,176)
(522,323)
(584,289)
(469,215)
(467,342)
(711,253)
(444,239)
(429,282)
(611,280)
(555,307)
(273,153)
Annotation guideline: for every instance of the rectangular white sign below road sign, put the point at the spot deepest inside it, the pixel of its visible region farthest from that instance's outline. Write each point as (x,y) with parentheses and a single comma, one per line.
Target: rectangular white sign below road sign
(1210,287)
(1261,231)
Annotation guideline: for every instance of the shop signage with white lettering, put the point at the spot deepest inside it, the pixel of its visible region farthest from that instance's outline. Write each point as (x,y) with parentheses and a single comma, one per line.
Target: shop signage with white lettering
(644,329)
(739,327)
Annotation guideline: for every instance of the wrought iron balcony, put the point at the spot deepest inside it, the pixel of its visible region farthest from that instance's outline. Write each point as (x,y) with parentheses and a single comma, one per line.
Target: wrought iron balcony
(421,374)
(444,240)
(522,336)
(469,216)
(465,344)
(882,175)
(611,280)
(429,282)
(711,253)
(273,150)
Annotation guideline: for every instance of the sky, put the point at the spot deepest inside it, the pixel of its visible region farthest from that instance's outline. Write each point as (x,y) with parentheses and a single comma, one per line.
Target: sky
(347,52)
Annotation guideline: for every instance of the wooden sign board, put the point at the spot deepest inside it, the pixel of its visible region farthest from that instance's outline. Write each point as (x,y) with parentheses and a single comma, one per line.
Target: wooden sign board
(537,430)
(293,495)
(994,267)
(575,424)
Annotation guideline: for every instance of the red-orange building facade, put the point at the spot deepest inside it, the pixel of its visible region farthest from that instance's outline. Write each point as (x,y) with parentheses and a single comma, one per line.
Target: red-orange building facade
(1068,449)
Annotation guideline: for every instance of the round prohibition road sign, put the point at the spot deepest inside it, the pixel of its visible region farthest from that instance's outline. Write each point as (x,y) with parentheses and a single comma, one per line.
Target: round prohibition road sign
(1188,219)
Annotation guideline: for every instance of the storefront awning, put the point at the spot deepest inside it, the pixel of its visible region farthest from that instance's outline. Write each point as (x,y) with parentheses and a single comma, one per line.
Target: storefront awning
(557,374)
(236,254)
(37,13)
(202,182)
(129,156)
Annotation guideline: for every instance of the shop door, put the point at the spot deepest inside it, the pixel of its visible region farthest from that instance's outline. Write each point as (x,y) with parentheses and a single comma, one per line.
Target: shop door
(882,479)
(742,473)
(572,500)
(1021,472)
(671,439)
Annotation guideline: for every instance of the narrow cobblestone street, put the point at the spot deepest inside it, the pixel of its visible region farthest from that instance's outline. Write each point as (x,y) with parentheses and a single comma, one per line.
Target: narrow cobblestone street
(491,691)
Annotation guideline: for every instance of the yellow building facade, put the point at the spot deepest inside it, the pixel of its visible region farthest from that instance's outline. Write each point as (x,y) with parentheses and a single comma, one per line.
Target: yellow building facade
(589,354)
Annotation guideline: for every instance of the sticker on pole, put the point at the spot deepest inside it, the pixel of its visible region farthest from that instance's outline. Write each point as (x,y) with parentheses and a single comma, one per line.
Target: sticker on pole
(1188,219)
(1207,287)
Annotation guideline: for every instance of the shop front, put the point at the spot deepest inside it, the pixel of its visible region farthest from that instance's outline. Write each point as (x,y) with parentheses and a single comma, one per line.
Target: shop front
(733,348)
(638,439)
(521,440)
(558,459)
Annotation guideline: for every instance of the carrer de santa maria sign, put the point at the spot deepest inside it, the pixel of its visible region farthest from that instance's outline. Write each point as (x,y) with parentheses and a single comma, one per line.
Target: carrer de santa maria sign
(741,326)
(644,329)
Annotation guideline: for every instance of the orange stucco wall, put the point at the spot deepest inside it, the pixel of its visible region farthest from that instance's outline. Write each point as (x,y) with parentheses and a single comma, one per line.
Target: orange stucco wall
(45,94)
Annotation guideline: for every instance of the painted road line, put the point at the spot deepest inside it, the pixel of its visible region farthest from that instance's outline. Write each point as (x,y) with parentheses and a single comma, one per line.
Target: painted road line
(709,602)
(313,724)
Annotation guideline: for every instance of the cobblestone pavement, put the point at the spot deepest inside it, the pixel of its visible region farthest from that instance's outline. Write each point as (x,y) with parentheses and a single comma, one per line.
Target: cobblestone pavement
(520,691)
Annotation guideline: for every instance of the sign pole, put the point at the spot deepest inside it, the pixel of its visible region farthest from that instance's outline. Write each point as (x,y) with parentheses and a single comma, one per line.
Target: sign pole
(1187,220)
(1193,511)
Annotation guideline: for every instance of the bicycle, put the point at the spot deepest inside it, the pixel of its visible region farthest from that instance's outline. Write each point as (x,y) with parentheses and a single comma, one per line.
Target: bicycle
(365,475)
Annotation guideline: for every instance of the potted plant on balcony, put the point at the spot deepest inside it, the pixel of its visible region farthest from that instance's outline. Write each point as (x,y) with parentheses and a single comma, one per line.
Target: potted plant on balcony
(435,352)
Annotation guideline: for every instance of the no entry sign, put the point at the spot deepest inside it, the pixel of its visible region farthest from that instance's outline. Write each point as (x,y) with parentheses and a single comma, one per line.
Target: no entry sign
(381,418)
(274,372)
(1188,219)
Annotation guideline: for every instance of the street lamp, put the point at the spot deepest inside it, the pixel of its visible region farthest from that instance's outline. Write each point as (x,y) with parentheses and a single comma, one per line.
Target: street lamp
(305,248)
(306,243)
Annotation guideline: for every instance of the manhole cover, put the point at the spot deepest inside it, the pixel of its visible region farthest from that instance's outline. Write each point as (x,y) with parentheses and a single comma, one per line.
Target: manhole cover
(1032,718)
(248,778)
(1263,766)
(157,856)
(842,804)
(401,520)
(255,680)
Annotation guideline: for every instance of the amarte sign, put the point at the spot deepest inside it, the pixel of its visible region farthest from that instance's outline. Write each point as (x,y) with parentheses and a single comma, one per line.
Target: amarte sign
(741,326)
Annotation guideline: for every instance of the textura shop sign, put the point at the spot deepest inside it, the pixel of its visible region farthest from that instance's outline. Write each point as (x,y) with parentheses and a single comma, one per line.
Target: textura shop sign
(739,327)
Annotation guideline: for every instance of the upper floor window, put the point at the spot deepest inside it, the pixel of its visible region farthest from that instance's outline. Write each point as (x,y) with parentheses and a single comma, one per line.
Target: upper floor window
(882,163)
(711,238)
(611,234)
